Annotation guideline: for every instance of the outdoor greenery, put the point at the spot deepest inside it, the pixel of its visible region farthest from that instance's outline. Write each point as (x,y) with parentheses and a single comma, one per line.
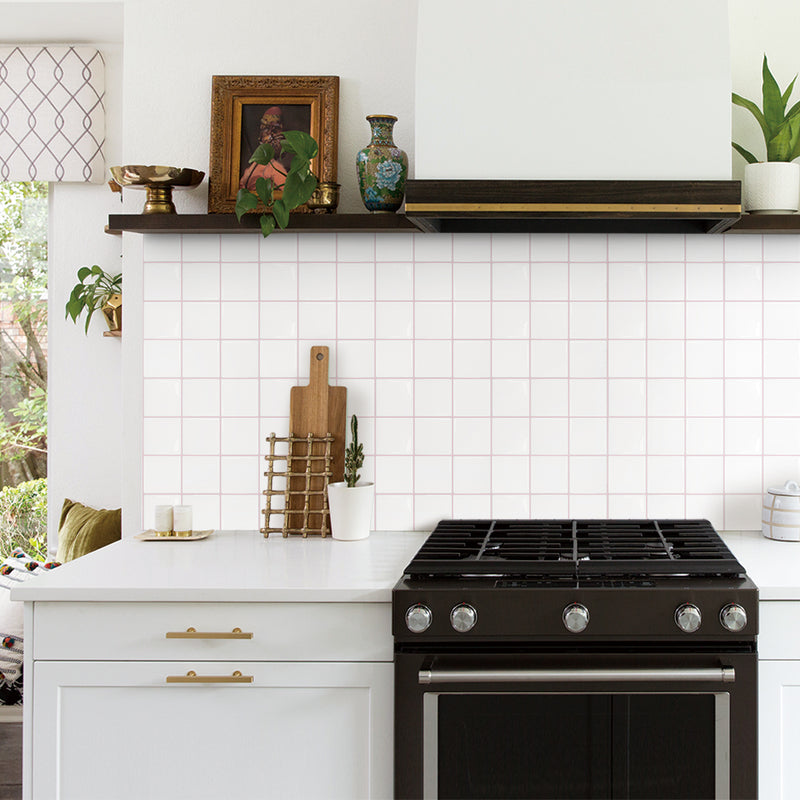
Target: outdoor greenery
(23,519)
(781,128)
(23,332)
(298,187)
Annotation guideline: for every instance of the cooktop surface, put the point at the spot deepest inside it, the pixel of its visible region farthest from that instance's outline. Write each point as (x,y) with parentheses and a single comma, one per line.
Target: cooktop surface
(580,548)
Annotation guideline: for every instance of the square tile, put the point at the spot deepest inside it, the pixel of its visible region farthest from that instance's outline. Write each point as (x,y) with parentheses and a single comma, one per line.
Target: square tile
(743,397)
(205,510)
(781,397)
(743,474)
(472,398)
(278,320)
(781,248)
(704,320)
(240,281)
(704,397)
(627,281)
(235,247)
(627,506)
(704,281)
(588,320)
(161,474)
(665,397)
(781,321)
(394,512)
(704,474)
(588,474)
(166,247)
(355,247)
(549,281)
(278,358)
(472,320)
(394,282)
(666,281)
(627,436)
(201,320)
(665,320)
(781,359)
(588,437)
(510,474)
(161,321)
(781,438)
(433,320)
(161,397)
(240,320)
(161,281)
(549,474)
(317,281)
(627,320)
(316,320)
(745,247)
(704,359)
(745,282)
(549,398)
(588,359)
(549,359)
(241,512)
(161,359)
(627,247)
(201,436)
(510,358)
(355,359)
(278,248)
(472,359)
(627,474)
(471,474)
(665,359)
(550,506)
(355,320)
(666,247)
(588,247)
(433,437)
(161,437)
(511,247)
(433,248)
(355,281)
(395,474)
(240,359)
(394,436)
(274,402)
(549,436)
(511,397)
(433,474)
(665,474)
(743,359)
(394,397)
(394,320)
(472,247)
(743,320)
(200,474)
(511,320)
(627,397)
(239,397)
(317,247)
(743,512)
(240,474)
(394,247)
(550,247)
(201,247)
(433,398)
(472,436)
(588,281)
(433,358)
(666,436)
(743,436)
(588,397)
(240,437)
(200,281)
(278,282)
(433,282)
(430,508)
(627,358)
(201,397)
(704,436)
(511,281)
(704,248)
(510,438)
(472,282)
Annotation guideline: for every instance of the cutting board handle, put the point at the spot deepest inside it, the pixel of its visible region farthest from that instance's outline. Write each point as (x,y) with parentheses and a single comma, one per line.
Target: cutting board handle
(318,370)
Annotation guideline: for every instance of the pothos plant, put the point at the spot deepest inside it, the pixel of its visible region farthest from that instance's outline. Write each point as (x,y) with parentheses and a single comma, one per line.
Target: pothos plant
(781,128)
(94,288)
(297,188)
(353,455)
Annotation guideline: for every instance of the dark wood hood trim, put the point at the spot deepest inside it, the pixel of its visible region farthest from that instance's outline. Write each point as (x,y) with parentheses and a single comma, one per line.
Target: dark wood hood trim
(632,206)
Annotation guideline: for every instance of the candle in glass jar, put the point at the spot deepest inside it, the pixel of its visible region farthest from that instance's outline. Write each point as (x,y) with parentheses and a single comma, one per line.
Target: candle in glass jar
(163,520)
(182,520)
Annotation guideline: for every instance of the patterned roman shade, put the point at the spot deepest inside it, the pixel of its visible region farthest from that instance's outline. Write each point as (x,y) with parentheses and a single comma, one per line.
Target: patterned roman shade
(52,117)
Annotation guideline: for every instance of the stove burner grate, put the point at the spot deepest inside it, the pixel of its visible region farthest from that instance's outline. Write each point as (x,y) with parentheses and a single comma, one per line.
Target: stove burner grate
(575,547)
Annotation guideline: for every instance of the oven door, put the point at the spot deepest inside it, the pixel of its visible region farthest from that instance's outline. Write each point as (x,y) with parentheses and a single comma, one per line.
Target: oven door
(576,726)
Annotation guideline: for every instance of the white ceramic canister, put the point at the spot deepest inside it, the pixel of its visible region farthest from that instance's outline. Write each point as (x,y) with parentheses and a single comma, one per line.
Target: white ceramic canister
(780,513)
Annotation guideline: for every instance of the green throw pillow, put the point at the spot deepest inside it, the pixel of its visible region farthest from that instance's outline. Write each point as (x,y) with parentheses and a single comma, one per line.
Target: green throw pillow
(83,529)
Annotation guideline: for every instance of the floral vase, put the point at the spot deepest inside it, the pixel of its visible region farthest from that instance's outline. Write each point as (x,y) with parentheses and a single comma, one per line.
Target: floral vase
(382,167)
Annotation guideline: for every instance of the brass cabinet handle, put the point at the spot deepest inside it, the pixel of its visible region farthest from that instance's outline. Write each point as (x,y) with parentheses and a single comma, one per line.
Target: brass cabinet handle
(192,633)
(192,677)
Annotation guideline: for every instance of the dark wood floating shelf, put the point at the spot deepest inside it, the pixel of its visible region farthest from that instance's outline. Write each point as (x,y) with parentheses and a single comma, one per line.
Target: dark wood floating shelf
(767,223)
(227,223)
(574,206)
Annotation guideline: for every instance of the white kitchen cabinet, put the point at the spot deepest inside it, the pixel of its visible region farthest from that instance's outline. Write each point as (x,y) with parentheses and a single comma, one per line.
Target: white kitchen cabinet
(119,731)
(779,729)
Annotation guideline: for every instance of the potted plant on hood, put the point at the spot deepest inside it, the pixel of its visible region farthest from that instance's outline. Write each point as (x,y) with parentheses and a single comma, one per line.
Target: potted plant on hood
(97,289)
(351,502)
(772,186)
(267,175)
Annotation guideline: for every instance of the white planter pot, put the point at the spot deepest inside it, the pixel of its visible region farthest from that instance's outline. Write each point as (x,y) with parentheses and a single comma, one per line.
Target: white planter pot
(771,187)
(351,510)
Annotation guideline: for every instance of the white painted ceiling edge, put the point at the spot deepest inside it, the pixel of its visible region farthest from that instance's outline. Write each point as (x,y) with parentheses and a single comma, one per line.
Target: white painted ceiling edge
(580,90)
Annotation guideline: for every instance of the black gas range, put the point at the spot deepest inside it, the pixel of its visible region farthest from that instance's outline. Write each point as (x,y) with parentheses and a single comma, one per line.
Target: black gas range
(614,658)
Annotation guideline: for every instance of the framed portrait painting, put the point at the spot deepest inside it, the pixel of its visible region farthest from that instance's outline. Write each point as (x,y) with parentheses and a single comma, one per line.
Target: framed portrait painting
(247,110)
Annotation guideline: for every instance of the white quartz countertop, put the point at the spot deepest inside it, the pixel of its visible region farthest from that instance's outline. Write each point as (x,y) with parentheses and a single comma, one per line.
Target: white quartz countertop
(233,566)
(243,566)
(774,566)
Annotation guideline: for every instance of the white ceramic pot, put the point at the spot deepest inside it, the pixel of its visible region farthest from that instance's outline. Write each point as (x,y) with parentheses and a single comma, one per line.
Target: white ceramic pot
(771,187)
(351,510)
(780,514)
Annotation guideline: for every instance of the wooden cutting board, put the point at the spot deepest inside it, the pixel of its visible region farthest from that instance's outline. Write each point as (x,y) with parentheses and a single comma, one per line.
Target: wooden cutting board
(318,409)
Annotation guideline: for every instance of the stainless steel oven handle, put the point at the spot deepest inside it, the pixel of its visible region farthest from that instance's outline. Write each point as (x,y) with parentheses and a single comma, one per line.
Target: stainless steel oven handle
(706,675)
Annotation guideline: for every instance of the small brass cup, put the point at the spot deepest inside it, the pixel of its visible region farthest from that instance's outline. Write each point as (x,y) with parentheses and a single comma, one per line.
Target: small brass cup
(325,198)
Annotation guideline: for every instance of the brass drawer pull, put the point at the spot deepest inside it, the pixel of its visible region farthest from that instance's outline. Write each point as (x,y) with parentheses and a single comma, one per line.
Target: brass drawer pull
(192,677)
(192,633)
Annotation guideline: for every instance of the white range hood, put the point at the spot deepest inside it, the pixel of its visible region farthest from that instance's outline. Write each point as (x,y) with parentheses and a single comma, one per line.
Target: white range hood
(582,90)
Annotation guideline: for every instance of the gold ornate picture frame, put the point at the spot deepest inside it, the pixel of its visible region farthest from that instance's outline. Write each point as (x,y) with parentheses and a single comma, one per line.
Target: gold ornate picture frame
(243,107)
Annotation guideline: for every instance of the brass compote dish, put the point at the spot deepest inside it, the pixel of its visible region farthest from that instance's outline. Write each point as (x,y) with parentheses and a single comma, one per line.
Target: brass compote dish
(158,182)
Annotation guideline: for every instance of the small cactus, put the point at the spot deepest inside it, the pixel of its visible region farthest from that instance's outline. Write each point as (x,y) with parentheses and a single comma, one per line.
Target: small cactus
(353,455)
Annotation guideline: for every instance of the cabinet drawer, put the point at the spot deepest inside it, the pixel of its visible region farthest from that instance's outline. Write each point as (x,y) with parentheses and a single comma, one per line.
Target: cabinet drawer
(280,631)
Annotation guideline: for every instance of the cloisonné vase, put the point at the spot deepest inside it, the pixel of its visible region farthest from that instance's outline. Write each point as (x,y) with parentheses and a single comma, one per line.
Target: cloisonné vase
(382,167)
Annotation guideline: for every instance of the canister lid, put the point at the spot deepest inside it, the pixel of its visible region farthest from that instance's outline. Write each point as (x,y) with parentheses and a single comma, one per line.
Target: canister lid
(789,489)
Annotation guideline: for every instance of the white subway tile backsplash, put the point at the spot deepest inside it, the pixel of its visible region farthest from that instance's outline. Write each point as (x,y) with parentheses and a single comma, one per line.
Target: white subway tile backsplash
(502,375)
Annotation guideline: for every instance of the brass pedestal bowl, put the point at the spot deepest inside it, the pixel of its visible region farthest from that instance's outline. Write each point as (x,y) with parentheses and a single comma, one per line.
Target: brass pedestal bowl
(158,182)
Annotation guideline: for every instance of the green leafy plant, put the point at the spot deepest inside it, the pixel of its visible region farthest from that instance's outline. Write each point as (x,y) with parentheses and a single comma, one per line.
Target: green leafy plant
(781,128)
(95,286)
(353,455)
(23,514)
(297,188)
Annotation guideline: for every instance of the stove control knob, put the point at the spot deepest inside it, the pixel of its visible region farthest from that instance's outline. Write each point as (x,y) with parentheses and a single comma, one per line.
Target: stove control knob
(418,618)
(576,618)
(733,617)
(463,618)
(688,617)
